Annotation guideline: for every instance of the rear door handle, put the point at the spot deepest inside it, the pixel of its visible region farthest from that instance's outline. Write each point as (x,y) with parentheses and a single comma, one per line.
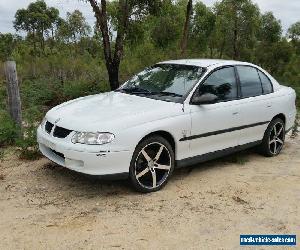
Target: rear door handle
(235,113)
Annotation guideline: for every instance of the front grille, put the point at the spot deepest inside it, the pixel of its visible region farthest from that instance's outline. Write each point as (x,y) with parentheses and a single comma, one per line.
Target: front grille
(58,154)
(61,132)
(48,127)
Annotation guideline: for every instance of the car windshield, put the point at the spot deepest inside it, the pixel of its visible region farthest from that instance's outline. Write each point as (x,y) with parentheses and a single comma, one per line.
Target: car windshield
(170,80)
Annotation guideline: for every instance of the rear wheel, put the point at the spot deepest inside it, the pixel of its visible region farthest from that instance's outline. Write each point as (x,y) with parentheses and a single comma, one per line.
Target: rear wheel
(152,164)
(274,138)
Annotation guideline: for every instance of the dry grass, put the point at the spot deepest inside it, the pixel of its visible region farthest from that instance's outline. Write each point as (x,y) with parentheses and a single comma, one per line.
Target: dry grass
(295,130)
(239,200)
(2,177)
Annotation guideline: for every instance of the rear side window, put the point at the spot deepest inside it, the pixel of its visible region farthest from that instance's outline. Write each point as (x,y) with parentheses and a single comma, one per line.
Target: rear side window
(250,81)
(266,83)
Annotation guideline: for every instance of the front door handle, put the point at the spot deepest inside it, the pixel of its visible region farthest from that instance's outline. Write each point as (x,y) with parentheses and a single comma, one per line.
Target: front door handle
(235,113)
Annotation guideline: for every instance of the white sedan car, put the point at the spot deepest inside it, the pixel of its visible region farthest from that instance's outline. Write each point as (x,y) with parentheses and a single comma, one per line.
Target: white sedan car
(173,114)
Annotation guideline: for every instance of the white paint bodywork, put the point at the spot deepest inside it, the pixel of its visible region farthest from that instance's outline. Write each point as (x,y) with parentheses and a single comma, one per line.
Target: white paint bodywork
(130,118)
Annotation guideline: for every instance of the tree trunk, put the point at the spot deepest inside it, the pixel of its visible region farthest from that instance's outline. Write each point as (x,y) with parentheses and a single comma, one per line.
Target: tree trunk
(184,40)
(235,40)
(112,62)
(222,48)
(43,41)
(34,42)
(235,34)
(113,74)
(13,93)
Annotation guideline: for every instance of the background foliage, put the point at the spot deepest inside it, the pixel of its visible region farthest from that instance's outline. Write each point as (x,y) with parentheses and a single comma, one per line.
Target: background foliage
(61,59)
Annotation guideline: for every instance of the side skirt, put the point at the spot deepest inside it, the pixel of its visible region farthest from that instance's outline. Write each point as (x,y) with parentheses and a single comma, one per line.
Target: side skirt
(214,155)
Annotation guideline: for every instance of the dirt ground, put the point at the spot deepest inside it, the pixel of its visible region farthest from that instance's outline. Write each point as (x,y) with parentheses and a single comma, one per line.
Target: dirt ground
(44,206)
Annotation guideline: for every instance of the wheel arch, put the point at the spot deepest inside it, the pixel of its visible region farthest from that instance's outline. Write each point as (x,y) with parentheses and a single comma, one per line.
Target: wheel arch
(166,135)
(280,116)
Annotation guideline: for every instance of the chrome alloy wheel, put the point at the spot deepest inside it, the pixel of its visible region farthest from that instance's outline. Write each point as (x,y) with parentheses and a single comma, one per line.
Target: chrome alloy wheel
(276,138)
(153,165)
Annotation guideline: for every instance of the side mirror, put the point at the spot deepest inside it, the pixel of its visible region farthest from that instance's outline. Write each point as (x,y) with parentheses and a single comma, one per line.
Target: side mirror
(204,99)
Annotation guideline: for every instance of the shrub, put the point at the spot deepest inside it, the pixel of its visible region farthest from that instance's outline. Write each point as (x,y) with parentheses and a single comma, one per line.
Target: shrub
(8,130)
(2,95)
(75,89)
(28,144)
(40,92)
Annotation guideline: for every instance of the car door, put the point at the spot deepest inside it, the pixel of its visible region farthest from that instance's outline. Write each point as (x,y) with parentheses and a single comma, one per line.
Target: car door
(255,104)
(212,127)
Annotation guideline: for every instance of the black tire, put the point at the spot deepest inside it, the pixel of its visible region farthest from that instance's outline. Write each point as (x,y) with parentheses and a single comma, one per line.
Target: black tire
(151,174)
(272,143)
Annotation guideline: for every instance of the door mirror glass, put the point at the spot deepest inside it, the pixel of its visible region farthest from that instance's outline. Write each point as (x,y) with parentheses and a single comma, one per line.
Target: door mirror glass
(205,99)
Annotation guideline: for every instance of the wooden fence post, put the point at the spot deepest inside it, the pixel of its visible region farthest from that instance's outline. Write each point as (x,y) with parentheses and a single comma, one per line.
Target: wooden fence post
(13,92)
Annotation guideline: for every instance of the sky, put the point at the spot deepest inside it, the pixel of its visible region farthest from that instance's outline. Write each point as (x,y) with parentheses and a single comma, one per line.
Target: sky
(287,11)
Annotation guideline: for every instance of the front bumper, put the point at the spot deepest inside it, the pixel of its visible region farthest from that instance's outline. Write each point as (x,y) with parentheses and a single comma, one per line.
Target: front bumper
(81,158)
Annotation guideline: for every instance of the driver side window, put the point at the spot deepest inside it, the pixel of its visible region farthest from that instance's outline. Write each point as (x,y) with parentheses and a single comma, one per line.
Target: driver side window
(221,83)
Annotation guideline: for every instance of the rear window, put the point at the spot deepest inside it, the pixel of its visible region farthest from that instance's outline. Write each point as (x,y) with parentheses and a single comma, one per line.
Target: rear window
(266,83)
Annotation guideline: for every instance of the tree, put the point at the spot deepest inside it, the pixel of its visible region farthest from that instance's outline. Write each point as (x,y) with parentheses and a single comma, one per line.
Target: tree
(54,19)
(166,25)
(77,25)
(270,28)
(36,20)
(203,25)
(294,35)
(113,20)
(74,29)
(269,41)
(184,40)
(237,22)
(112,59)
(294,31)
(8,43)
(273,56)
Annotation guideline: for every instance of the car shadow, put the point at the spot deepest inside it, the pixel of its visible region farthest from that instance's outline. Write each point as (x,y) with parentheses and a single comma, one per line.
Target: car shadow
(85,185)
(240,158)
(67,179)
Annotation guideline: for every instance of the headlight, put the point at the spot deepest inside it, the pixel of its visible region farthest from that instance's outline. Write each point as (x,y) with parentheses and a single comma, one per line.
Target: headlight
(93,138)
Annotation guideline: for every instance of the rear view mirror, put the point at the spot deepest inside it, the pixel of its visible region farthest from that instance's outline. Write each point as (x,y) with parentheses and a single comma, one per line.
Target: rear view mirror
(205,99)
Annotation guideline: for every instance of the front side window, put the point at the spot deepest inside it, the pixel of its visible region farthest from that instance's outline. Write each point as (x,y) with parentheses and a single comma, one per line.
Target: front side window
(172,80)
(221,83)
(266,83)
(250,81)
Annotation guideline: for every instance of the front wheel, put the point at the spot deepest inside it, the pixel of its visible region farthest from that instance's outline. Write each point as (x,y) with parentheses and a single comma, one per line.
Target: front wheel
(274,138)
(152,164)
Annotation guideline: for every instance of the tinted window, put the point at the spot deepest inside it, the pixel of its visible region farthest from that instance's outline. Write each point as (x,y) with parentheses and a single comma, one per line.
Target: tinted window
(266,83)
(221,83)
(250,82)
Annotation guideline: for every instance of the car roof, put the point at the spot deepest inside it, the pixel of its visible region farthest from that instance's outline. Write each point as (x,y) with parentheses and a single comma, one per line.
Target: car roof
(215,63)
(204,62)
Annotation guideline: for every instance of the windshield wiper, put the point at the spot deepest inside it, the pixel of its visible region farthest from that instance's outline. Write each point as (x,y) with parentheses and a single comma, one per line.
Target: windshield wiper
(137,90)
(165,93)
